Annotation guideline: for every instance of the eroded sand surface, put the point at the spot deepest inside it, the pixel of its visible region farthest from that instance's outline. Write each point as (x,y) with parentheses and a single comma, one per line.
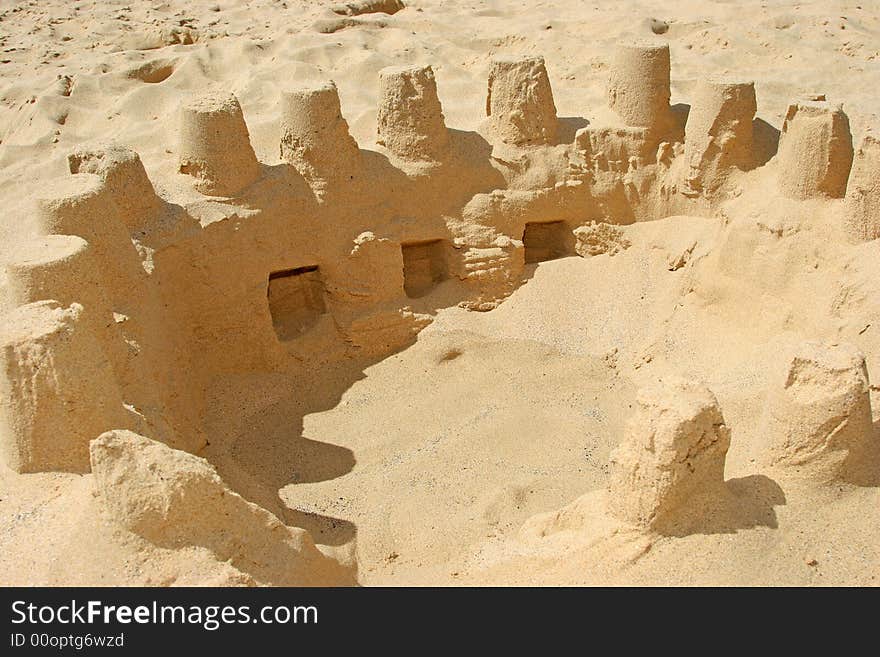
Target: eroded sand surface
(603,335)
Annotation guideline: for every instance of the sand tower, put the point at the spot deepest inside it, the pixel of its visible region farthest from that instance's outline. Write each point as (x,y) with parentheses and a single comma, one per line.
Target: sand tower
(638,86)
(520,103)
(815,151)
(673,451)
(83,205)
(718,134)
(818,414)
(59,267)
(862,207)
(57,390)
(215,147)
(314,134)
(410,122)
(126,179)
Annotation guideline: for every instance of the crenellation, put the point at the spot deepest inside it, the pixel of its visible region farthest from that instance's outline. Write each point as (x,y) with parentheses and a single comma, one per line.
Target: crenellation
(214,147)
(411,123)
(314,134)
(519,102)
(639,87)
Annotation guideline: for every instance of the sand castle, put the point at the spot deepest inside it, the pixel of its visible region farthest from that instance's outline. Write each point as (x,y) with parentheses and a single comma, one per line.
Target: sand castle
(126,302)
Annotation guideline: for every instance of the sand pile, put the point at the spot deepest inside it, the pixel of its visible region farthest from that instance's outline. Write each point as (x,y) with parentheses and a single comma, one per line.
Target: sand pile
(354,298)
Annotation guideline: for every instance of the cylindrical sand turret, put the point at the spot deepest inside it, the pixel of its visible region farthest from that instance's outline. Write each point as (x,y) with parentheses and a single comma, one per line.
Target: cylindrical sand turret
(815,151)
(818,415)
(410,122)
(215,147)
(126,179)
(83,205)
(520,103)
(718,134)
(672,456)
(79,205)
(862,208)
(59,267)
(57,390)
(314,134)
(638,86)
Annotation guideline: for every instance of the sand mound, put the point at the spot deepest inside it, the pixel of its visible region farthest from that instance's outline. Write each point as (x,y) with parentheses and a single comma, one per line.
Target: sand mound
(673,452)
(175,499)
(819,415)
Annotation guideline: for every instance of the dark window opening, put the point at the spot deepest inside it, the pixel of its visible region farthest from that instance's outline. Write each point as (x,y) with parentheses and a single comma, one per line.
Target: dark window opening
(424,265)
(547,241)
(296,300)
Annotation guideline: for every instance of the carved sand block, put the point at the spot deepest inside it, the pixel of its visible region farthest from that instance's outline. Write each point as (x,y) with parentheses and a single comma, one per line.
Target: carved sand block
(862,222)
(718,134)
(126,179)
(83,205)
(176,499)
(58,267)
(818,414)
(639,86)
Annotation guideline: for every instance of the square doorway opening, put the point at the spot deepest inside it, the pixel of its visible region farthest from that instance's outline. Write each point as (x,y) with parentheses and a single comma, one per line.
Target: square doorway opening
(546,241)
(424,265)
(296,300)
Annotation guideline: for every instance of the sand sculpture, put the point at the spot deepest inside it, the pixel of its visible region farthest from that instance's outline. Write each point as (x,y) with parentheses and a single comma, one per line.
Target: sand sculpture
(719,132)
(673,452)
(818,415)
(519,103)
(340,250)
(816,145)
(638,88)
(863,193)
(175,499)
(410,117)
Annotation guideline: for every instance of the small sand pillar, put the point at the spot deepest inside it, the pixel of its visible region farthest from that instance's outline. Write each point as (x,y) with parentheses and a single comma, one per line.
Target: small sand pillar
(314,135)
(673,452)
(411,123)
(815,151)
(862,207)
(639,86)
(126,179)
(57,390)
(718,134)
(215,147)
(520,103)
(818,413)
